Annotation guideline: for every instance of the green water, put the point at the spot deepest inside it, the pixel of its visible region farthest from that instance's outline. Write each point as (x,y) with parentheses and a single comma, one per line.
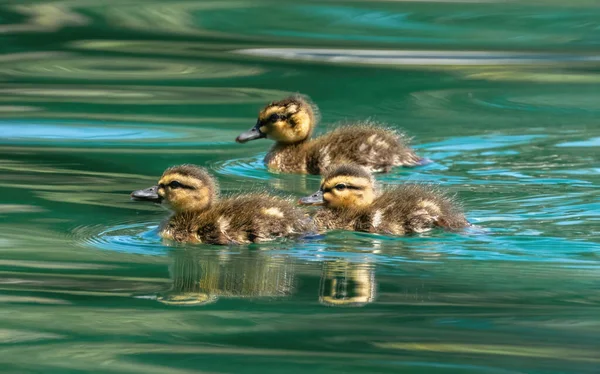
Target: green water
(98,97)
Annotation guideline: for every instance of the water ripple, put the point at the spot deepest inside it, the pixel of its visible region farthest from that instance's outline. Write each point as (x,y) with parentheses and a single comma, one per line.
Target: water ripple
(580,100)
(138,238)
(68,133)
(594,142)
(74,133)
(253,168)
(413,57)
(140,95)
(120,68)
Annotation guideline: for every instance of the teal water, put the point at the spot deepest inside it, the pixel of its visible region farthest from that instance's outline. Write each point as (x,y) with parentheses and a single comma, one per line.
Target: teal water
(97,98)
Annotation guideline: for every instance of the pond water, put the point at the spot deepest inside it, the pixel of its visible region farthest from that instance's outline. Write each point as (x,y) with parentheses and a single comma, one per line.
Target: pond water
(98,97)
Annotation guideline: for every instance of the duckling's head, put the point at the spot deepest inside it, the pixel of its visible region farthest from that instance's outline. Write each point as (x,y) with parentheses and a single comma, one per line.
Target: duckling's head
(183,188)
(344,187)
(287,121)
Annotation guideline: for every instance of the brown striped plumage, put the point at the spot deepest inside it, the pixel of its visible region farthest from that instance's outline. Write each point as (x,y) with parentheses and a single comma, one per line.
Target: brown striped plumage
(290,122)
(200,216)
(352,202)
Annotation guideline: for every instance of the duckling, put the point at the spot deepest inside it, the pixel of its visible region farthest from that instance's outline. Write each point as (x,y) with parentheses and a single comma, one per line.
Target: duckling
(352,202)
(201,217)
(291,121)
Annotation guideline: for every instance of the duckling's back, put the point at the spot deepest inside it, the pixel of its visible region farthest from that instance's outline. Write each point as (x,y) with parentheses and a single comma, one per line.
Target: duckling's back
(375,147)
(251,218)
(413,208)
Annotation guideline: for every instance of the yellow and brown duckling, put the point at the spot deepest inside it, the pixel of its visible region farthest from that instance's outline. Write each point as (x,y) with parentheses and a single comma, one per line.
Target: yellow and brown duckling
(201,217)
(352,202)
(290,123)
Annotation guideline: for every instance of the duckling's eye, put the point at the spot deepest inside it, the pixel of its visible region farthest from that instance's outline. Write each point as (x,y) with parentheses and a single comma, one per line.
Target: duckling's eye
(175,184)
(276,117)
(340,187)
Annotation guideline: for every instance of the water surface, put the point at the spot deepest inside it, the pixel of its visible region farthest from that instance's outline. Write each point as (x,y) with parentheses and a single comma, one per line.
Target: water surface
(96,100)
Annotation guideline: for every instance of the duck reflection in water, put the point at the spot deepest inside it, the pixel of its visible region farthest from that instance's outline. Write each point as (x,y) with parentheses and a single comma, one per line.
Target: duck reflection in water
(348,284)
(201,277)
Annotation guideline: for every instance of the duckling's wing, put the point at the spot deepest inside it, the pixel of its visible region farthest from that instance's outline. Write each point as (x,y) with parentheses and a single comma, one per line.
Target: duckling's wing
(419,208)
(260,217)
(373,146)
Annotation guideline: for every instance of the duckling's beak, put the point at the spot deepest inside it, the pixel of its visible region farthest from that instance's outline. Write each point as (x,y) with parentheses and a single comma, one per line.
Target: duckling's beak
(147,194)
(253,133)
(314,199)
